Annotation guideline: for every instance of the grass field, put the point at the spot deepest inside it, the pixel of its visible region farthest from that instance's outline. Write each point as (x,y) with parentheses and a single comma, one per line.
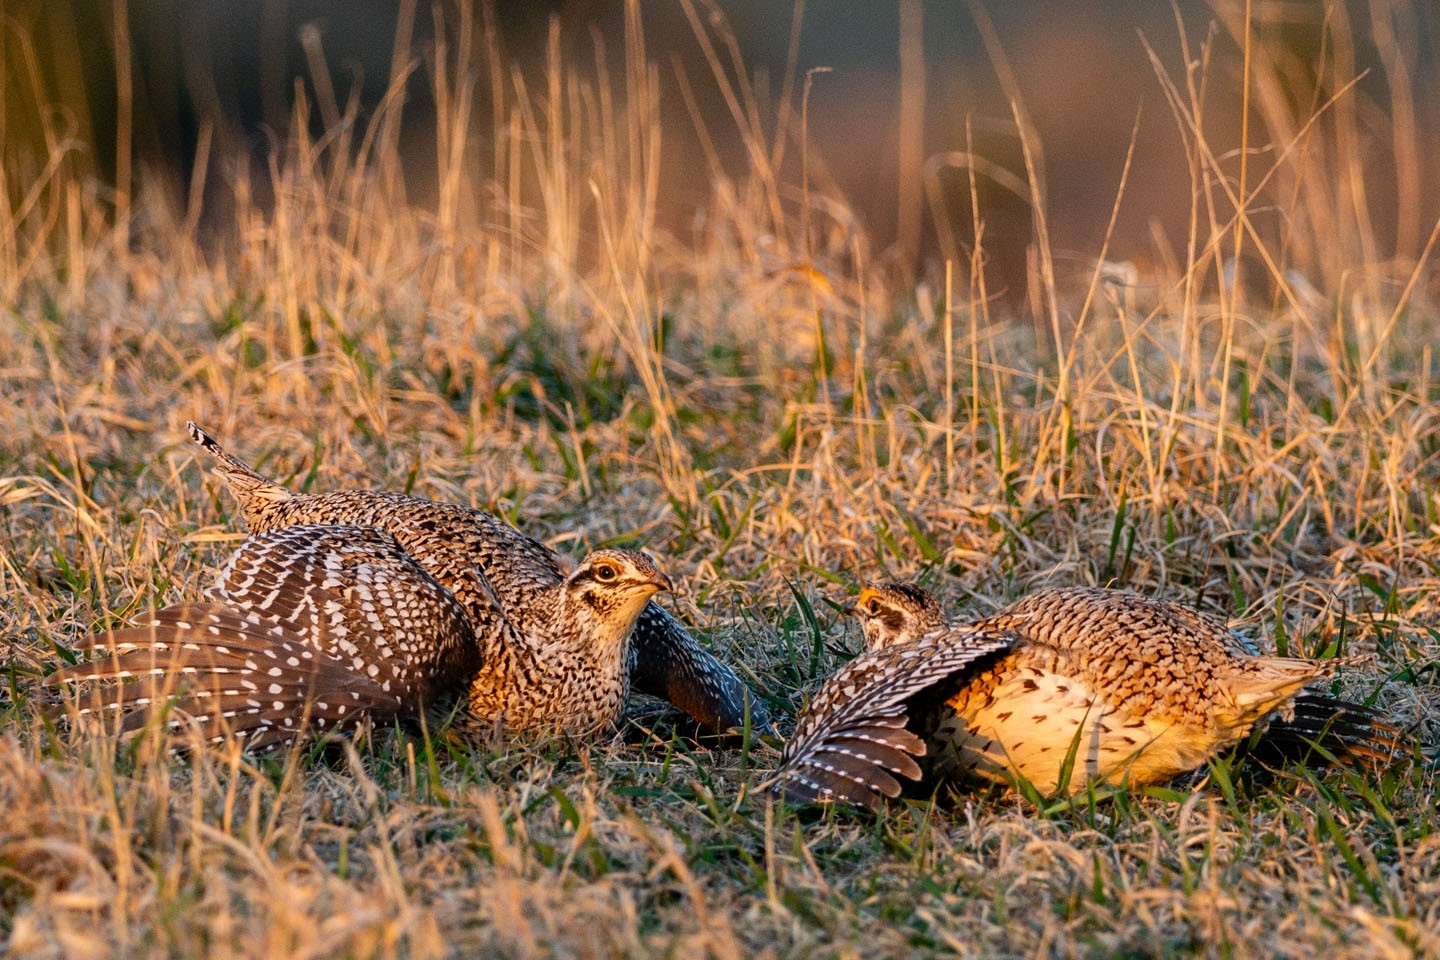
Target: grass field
(762,405)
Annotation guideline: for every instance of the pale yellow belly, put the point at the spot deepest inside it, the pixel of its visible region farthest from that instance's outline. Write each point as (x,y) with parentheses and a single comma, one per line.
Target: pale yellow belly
(1032,720)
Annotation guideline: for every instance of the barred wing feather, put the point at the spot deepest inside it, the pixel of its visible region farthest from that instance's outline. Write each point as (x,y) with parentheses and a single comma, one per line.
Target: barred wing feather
(309,623)
(852,741)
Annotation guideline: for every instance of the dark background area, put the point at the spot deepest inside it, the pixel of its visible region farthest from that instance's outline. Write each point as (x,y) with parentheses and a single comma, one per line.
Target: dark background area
(1082,70)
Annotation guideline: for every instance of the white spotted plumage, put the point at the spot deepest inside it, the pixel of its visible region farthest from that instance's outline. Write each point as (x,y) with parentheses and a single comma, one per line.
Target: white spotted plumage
(493,569)
(366,603)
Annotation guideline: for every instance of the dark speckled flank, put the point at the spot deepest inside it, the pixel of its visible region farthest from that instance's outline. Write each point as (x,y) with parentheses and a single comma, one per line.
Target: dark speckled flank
(392,600)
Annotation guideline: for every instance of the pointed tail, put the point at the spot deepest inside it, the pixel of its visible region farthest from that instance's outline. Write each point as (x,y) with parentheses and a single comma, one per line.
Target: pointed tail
(247,485)
(1328,730)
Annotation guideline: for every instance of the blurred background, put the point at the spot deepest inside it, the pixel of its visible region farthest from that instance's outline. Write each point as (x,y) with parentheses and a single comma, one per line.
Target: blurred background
(904,101)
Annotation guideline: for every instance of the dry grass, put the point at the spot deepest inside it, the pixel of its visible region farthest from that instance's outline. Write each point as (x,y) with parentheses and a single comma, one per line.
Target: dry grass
(774,418)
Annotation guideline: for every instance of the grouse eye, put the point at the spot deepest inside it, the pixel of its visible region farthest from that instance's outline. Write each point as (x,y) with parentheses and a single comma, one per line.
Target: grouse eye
(605,572)
(872,606)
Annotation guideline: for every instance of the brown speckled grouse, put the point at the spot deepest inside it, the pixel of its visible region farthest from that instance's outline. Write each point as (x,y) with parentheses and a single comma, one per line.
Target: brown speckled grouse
(370,602)
(1122,688)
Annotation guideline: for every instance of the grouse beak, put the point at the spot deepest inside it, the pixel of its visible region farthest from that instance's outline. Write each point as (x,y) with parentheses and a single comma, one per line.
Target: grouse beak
(655,581)
(649,578)
(857,607)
